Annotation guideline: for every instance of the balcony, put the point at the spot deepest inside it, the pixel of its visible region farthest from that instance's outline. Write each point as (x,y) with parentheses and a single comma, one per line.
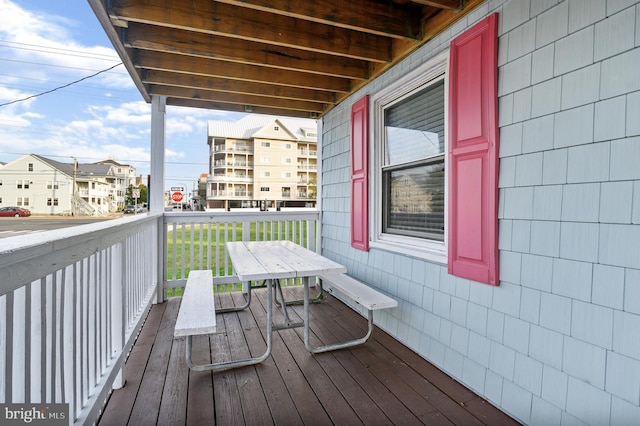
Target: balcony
(89,309)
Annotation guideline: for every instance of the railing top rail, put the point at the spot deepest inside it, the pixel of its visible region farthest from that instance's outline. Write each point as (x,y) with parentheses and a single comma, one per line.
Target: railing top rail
(237,216)
(28,257)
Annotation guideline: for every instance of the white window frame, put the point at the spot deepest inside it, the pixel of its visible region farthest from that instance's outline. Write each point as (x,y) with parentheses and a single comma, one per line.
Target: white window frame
(431,250)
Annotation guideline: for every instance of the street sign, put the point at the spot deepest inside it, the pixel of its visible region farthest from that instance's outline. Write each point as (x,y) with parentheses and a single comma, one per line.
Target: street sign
(176,197)
(135,193)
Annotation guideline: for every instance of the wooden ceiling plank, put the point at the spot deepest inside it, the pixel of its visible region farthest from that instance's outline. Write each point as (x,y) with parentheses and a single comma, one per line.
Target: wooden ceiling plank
(208,67)
(392,20)
(441,4)
(235,98)
(221,106)
(236,86)
(222,19)
(162,39)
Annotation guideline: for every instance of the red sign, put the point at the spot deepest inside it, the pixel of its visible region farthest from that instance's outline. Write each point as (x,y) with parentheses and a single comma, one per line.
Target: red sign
(176,197)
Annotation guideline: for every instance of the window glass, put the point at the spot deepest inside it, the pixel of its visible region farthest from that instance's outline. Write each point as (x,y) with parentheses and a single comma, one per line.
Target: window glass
(413,165)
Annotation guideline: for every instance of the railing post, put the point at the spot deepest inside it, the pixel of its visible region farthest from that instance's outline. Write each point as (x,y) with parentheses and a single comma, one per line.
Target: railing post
(246,234)
(118,307)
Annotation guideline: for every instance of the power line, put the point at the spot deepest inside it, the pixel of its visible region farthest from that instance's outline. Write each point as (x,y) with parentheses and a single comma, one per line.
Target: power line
(60,87)
(88,86)
(57,50)
(45,65)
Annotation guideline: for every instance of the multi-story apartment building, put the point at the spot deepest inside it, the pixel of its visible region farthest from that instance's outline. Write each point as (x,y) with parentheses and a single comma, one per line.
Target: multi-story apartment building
(262,161)
(46,186)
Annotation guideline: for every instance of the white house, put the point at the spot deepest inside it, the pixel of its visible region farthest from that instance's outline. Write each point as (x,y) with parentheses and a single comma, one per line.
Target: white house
(124,175)
(47,186)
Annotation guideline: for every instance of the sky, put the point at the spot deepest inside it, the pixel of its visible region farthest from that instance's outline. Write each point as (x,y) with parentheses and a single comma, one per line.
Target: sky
(45,45)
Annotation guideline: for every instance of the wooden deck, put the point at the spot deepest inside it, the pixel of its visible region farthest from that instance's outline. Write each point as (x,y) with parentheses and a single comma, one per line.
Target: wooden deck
(380,382)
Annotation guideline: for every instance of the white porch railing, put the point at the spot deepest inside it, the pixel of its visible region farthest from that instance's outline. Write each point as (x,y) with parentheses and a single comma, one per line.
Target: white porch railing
(196,240)
(72,301)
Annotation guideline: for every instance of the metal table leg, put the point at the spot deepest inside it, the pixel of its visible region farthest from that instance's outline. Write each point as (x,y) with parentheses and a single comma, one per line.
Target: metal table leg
(242,362)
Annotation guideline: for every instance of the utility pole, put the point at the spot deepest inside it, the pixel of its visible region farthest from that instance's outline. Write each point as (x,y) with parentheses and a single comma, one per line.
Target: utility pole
(73,189)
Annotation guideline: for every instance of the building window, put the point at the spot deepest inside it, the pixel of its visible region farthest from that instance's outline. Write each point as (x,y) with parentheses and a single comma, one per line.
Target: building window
(265,160)
(264,189)
(266,174)
(52,201)
(52,185)
(22,201)
(30,167)
(286,160)
(265,144)
(408,151)
(286,175)
(287,146)
(22,184)
(276,128)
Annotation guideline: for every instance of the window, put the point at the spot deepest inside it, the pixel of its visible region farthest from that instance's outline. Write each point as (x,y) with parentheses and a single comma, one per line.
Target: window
(409,162)
(266,174)
(20,184)
(30,167)
(287,146)
(413,165)
(265,160)
(276,128)
(52,185)
(264,189)
(265,144)
(403,167)
(22,201)
(286,175)
(286,160)
(52,201)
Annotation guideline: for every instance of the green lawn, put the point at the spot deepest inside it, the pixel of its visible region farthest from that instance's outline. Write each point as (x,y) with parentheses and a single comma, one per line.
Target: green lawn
(209,240)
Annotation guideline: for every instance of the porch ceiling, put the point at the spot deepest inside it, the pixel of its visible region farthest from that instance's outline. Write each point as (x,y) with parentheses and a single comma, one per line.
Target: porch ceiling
(281,57)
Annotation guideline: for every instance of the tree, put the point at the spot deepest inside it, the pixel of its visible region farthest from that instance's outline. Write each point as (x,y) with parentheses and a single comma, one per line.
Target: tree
(143,194)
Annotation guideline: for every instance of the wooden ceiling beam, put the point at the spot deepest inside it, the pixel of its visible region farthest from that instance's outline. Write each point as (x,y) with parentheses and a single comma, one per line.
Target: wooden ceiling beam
(257,74)
(169,40)
(442,4)
(222,106)
(387,19)
(235,86)
(222,19)
(236,98)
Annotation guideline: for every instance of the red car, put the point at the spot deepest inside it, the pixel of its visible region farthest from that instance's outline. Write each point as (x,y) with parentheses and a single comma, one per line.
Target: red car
(14,211)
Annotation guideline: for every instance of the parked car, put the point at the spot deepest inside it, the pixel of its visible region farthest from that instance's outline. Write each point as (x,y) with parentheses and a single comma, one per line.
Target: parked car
(133,209)
(14,212)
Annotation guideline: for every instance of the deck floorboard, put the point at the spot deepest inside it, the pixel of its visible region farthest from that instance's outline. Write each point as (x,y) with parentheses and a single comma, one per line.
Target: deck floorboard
(381,382)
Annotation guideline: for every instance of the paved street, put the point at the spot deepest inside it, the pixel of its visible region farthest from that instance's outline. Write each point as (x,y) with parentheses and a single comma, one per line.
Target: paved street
(10,226)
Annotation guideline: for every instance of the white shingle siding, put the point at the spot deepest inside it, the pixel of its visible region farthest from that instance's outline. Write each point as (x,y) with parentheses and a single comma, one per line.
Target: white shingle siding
(558,342)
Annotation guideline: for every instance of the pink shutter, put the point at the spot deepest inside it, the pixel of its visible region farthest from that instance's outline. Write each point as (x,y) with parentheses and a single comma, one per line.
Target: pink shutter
(360,174)
(473,153)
